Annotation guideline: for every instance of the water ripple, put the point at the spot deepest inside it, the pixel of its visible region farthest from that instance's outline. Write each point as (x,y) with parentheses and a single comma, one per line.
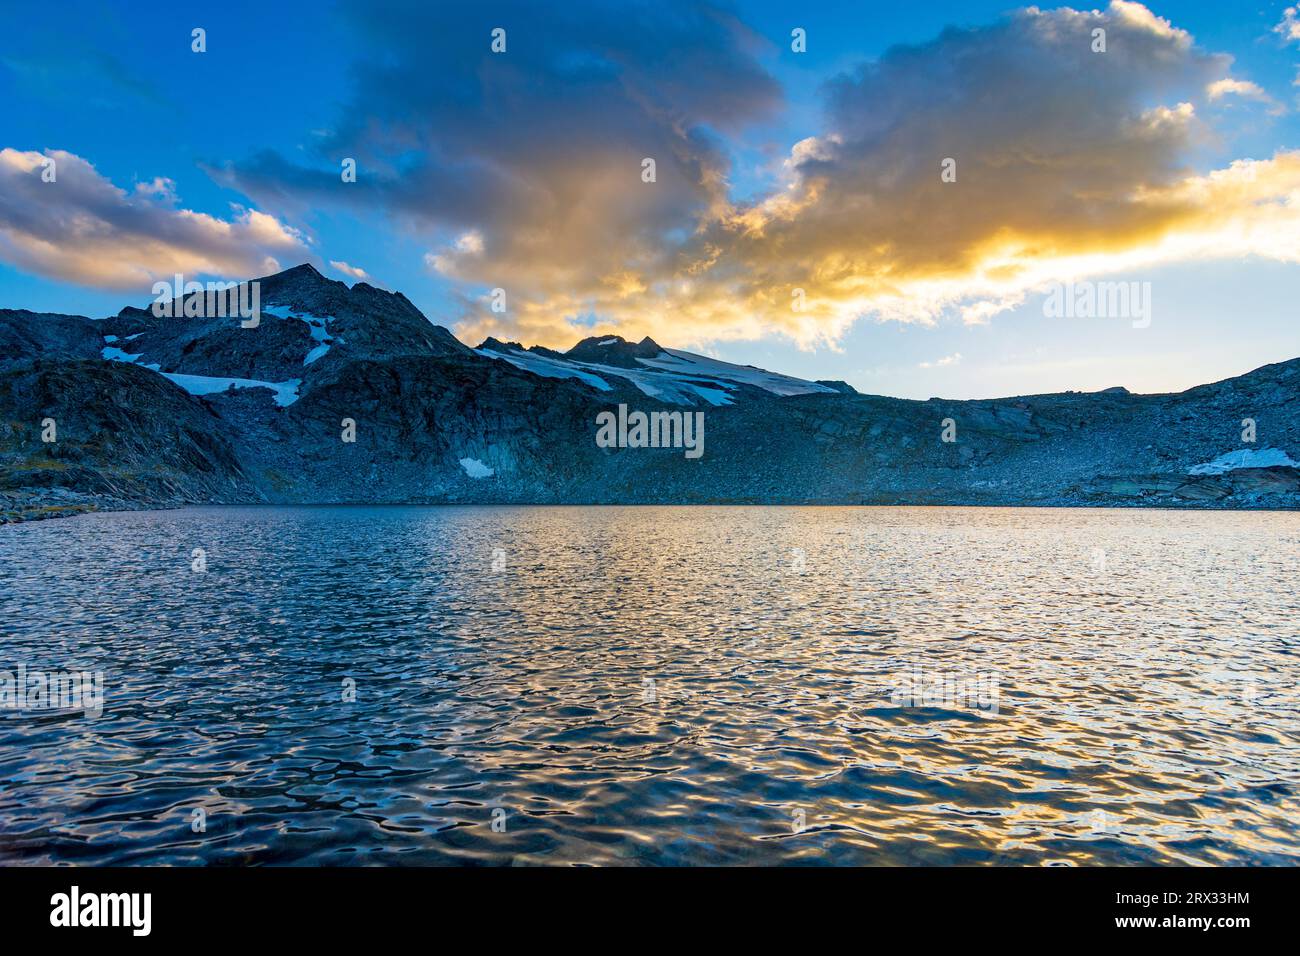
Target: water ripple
(657,686)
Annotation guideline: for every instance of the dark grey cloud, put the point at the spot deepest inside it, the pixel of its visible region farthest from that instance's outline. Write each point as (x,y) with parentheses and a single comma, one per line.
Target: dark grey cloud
(537,150)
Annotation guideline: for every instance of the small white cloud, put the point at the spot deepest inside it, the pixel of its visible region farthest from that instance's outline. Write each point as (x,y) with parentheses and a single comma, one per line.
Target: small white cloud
(160,187)
(953,359)
(348,270)
(467,247)
(470,242)
(1289,28)
(1230,87)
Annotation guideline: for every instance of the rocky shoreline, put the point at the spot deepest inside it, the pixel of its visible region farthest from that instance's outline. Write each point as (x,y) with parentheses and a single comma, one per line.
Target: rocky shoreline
(1270,490)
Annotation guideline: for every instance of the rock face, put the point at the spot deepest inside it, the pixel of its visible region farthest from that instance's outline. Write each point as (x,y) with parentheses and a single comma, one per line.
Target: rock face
(613,350)
(25,335)
(121,432)
(351,395)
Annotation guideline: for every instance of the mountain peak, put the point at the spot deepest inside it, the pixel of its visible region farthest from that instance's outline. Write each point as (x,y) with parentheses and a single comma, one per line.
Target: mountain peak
(302,269)
(613,350)
(601,341)
(838,385)
(297,281)
(492,344)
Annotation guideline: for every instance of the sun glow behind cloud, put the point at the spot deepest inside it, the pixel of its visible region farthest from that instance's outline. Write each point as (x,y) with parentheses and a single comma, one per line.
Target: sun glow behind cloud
(1065,171)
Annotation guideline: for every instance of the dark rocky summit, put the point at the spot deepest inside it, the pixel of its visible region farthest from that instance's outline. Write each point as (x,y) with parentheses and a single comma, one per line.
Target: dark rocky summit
(153,412)
(838,385)
(613,350)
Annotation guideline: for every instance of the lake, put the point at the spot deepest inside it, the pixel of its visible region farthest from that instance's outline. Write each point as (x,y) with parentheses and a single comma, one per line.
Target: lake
(654,685)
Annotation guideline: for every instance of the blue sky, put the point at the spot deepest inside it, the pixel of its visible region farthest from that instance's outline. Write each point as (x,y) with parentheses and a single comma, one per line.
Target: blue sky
(479,170)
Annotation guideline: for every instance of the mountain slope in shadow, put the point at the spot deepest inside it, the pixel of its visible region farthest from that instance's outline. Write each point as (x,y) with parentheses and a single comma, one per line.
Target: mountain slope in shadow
(153,412)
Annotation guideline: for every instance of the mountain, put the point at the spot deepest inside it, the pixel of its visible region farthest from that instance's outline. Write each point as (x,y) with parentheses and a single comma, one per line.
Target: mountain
(674,377)
(152,412)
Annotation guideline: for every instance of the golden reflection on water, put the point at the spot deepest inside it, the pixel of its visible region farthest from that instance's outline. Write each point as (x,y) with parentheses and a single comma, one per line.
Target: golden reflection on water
(662,685)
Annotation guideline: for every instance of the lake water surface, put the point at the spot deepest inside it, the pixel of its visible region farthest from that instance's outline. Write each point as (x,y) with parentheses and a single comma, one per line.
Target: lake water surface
(656,686)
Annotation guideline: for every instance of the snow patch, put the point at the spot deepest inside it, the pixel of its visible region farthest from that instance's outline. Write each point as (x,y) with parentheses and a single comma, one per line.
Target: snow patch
(316,353)
(1244,458)
(712,395)
(317,324)
(475,468)
(286,393)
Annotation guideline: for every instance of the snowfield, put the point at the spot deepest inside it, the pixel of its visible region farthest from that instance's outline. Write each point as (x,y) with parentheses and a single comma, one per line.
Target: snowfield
(700,365)
(286,393)
(1244,458)
(546,367)
(674,377)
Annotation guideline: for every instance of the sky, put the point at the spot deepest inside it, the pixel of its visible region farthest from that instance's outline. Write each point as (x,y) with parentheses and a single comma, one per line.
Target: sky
(891,197)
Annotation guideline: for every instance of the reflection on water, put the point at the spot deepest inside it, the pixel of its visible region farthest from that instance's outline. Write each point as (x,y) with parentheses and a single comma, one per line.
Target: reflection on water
(657,685)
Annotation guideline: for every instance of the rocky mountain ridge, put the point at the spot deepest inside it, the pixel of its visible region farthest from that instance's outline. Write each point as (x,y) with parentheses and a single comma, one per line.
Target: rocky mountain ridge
(151,412)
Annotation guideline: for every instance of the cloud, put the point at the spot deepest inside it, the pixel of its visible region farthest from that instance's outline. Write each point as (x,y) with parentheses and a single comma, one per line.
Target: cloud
(1068,163)
(953,359)
(354,272)
(1049,142)
(82,228)
(1289,27)
(1231,87)
(523,170)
